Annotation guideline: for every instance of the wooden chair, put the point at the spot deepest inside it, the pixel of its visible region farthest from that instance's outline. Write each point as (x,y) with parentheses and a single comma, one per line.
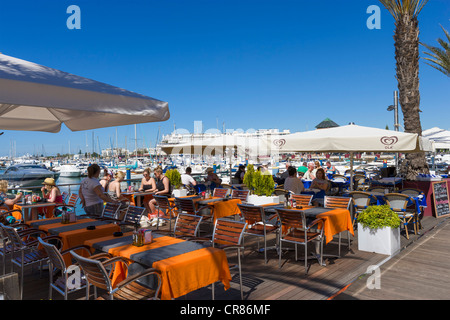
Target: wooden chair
(361,200)
(5,249)
(398,203)
(296,230)
(240,194)
(339,203)
(57,265)
(189,206)
(168,211)
(360,182)
(129,289)
(257,224)
(220,192)
(132,216)
(28,253)
(302,199)
(110,212)
(419,211)
(228,235)
(187,226)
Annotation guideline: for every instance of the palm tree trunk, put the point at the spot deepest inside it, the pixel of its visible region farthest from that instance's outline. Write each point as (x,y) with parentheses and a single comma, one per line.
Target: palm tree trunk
(407,56)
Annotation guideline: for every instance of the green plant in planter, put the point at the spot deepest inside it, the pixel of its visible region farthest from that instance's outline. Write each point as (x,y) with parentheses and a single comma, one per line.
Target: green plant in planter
(174,178)
(263,184)
(375,217)
(248,176)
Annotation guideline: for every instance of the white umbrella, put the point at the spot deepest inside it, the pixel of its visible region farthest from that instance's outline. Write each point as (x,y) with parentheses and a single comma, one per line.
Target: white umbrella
(351,138)
(37,98)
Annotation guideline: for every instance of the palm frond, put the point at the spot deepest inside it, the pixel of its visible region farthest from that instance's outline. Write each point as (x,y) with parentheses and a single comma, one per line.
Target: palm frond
(398,8)
(439,58)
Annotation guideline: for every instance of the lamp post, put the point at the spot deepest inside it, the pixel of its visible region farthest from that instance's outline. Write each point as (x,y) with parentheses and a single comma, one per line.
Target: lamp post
(396,124)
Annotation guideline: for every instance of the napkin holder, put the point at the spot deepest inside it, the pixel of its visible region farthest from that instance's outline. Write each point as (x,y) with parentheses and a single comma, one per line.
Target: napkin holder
(147,235)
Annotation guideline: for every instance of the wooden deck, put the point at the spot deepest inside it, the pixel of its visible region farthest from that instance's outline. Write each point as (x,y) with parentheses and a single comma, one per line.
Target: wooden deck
(269,282)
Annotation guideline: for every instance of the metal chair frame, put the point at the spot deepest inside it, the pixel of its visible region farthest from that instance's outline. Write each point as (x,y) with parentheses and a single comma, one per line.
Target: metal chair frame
(398,203)
(255,218)
(299,232)
(97,275)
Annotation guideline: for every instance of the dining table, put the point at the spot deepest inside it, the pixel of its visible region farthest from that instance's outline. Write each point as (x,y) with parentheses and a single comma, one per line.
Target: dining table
(29,211)
(137,198)
(335,220)
(75,233)
(185,266)
(221,207)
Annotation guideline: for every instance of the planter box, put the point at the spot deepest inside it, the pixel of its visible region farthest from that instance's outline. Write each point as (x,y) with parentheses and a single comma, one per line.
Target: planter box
(383,241)
(260,200)
(179,193)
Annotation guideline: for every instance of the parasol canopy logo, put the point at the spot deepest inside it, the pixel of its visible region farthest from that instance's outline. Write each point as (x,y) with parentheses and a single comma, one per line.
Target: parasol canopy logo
(279,142)
(389,141)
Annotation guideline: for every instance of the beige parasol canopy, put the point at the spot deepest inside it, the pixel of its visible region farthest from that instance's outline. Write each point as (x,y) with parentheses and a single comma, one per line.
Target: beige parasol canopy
(37,98)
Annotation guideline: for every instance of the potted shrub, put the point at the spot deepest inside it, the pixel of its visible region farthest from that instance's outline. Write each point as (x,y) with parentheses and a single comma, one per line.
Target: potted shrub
(262,187)
(379,230)
(175,180)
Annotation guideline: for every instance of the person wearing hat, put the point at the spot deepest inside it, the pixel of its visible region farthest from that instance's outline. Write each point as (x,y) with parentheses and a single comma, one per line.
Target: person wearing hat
(52,193)
(212,179)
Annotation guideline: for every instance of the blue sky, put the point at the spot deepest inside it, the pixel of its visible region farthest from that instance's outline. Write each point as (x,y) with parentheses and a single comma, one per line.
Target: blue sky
(248,64)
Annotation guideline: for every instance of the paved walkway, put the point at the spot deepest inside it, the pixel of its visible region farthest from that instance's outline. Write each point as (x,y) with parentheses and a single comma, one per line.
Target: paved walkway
(418,272)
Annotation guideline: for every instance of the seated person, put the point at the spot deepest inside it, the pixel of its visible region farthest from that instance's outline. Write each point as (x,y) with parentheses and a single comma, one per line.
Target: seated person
(239,175)
(114,192)
(309,174)
(292,183)
(320,182)
(148,183)
(187,179)
(212,179)
(107,176)
(52,193)
(8,204)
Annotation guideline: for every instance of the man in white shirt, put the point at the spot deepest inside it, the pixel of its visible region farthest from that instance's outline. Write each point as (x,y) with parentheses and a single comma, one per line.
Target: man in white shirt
(187,179)
(292,183)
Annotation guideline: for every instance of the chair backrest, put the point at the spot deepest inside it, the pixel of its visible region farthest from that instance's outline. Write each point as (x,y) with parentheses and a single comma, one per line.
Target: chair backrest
(337,202)
(94,271)
(110,210)
(397,201)
(186,205)
(361,199)
(359,178)
(228,232)
(339,178)
(252,214)
(411,192)
(187,225)
(377,189)
(53,254)
(220,192)
(133,214)
(162,202)
(302,199)
(291,218)
(64,195)
(13,237)
(280,192)
(240,194)
(72,200)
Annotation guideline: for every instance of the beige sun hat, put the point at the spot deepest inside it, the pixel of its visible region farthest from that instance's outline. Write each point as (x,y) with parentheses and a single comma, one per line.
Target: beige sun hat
(49,181)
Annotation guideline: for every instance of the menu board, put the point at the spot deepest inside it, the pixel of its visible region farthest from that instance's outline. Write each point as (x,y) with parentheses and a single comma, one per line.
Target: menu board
(441,204)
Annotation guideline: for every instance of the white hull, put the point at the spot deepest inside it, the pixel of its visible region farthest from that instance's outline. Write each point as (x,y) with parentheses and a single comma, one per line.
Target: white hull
(71,174)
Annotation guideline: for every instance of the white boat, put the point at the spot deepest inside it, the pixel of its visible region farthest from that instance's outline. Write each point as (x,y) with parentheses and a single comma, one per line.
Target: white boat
(68,170)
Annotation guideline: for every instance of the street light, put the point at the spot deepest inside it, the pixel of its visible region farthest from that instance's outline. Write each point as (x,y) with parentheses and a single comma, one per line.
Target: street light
(395,109)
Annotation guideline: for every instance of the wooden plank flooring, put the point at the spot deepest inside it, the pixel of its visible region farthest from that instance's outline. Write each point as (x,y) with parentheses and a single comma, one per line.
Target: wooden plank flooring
(269,282)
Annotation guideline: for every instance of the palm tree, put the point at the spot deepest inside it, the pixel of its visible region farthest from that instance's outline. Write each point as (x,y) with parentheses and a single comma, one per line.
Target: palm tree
(406,36)
(441,57)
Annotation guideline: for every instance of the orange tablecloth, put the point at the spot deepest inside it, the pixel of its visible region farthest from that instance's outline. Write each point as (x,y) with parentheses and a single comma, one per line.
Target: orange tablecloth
(78,236)
(336,221)
(182,273)
(225,208)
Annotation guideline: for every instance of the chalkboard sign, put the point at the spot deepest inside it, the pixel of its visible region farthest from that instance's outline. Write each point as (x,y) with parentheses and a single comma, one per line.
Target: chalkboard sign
(441,204)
